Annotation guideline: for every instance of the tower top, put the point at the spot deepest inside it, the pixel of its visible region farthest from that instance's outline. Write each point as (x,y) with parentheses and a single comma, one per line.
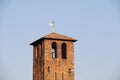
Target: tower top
(54,36)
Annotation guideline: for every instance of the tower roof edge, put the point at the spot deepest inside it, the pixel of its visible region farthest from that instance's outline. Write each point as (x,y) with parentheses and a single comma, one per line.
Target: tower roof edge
(55,36)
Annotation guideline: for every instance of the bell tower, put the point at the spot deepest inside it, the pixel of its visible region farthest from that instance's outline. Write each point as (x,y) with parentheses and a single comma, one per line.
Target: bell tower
(53,57)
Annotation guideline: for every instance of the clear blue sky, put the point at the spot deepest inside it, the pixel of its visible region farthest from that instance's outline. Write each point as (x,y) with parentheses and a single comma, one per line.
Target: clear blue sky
(95,23)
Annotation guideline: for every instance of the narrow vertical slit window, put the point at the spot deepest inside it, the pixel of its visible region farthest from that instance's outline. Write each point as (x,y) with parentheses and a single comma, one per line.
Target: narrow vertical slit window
(69,71)
(64,55)
(55,76)
(48,69)
(54,50)
(62,76)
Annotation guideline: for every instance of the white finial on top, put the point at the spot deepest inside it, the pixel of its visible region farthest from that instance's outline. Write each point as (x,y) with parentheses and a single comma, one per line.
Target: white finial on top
(52,25)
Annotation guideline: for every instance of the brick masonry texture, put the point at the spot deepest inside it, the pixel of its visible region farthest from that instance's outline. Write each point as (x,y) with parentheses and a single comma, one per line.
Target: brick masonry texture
(45,67)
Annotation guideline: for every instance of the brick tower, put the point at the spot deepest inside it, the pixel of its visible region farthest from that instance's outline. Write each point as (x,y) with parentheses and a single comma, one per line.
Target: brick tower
(53,57)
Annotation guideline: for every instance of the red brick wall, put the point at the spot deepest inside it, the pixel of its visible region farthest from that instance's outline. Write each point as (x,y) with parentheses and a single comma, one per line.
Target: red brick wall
(59,67)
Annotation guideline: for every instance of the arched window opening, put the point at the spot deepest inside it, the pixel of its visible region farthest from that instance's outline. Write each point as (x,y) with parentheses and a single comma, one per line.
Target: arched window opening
(64,51)
(36,51)
(54,47)
(48,69)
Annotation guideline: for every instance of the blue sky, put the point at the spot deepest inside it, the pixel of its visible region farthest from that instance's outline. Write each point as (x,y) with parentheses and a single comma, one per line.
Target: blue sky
(95,23)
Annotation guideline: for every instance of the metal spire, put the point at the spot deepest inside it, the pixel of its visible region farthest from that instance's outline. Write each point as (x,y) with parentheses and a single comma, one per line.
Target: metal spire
(52,25)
